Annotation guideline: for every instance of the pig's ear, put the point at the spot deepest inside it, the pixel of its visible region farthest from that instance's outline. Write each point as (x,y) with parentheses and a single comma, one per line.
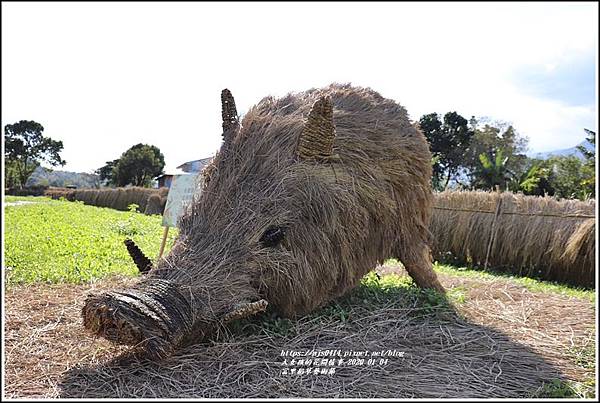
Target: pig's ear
(245,310)
(316,140)
(229,114)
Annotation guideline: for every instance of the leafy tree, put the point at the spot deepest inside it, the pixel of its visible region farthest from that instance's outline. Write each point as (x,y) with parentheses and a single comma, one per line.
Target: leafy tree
(435,179)
(536,181)
(561,176)
(107,173)
(10,174)
(589,155)
(493,171)
(448,140)
(502,137)
(138,165)
(570,179)
(25,148)
(589,166)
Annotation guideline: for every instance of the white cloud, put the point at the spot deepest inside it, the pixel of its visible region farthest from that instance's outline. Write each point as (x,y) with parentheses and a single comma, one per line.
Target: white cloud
(104,76)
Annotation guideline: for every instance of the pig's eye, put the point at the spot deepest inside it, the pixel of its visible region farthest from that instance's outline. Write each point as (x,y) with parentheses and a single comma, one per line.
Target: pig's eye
(272,236)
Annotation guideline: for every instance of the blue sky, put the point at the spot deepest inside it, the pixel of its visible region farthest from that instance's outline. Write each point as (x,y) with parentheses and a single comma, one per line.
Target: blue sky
(102,77)
(572,81)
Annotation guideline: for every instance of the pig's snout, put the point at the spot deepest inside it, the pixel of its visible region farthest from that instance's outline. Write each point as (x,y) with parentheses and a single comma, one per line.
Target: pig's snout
(153,316)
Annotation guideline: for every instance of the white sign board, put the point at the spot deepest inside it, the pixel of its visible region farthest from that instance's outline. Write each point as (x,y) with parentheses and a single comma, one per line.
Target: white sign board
(181,193)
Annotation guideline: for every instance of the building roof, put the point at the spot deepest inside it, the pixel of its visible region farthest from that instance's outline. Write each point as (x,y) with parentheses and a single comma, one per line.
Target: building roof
(186,168)
(170,171)
(195,165)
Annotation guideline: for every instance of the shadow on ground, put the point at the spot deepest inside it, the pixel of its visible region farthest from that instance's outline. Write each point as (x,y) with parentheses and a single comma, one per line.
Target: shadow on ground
(429,351)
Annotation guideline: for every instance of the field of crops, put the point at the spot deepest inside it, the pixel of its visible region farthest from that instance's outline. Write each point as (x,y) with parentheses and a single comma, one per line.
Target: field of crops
(490,336)
(58,241)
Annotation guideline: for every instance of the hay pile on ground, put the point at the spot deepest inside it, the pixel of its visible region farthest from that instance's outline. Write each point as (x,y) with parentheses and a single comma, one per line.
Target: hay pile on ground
(528,235)
(117,198)
(156,204)
(56,193)
(510,343)
(37,190)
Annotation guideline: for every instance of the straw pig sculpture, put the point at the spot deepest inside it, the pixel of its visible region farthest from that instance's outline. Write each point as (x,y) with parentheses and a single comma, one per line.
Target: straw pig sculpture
(306,195)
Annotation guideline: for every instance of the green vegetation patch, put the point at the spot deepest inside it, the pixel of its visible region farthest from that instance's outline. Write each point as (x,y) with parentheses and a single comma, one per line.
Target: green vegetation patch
(59,241)
(566,389)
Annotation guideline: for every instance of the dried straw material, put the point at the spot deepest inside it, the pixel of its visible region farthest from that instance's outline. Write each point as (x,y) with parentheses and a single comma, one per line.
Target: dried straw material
(118,199)
(154,205)
(246,310)
(340,217)
(504,341)
(530,235)
(230,120)
(57,193)
(318,135)
(141,261)
(228,111)
(581,245)
(159,317)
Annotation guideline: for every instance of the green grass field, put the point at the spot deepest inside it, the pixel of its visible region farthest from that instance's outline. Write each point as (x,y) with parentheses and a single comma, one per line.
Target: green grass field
(60,241)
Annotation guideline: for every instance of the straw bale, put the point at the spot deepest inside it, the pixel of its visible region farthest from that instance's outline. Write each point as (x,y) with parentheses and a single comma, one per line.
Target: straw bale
(154,205)
(532,236)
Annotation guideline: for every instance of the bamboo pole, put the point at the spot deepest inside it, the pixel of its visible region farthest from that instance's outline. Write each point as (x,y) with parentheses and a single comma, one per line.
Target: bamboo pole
(164,241)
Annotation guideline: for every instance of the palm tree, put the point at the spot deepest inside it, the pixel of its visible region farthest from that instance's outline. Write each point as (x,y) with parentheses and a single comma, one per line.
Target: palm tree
(492,172)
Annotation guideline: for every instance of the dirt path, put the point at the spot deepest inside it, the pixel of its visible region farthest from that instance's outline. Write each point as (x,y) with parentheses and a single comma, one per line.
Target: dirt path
(506,342)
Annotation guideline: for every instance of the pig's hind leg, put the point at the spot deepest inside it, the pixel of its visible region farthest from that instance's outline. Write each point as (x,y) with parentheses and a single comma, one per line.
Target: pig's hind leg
(416,259)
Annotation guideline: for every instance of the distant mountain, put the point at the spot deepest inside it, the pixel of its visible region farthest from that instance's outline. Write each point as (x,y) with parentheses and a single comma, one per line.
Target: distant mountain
(48,177)
(564,152)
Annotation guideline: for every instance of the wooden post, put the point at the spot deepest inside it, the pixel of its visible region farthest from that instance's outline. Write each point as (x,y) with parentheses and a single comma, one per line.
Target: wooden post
(164,241)
(493,230)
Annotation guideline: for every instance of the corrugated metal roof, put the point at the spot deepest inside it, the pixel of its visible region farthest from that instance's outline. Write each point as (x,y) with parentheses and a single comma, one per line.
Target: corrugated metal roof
(171,171)
(195,166)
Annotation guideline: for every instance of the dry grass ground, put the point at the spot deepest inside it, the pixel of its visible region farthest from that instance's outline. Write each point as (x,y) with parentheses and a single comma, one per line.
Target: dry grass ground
(495,339)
